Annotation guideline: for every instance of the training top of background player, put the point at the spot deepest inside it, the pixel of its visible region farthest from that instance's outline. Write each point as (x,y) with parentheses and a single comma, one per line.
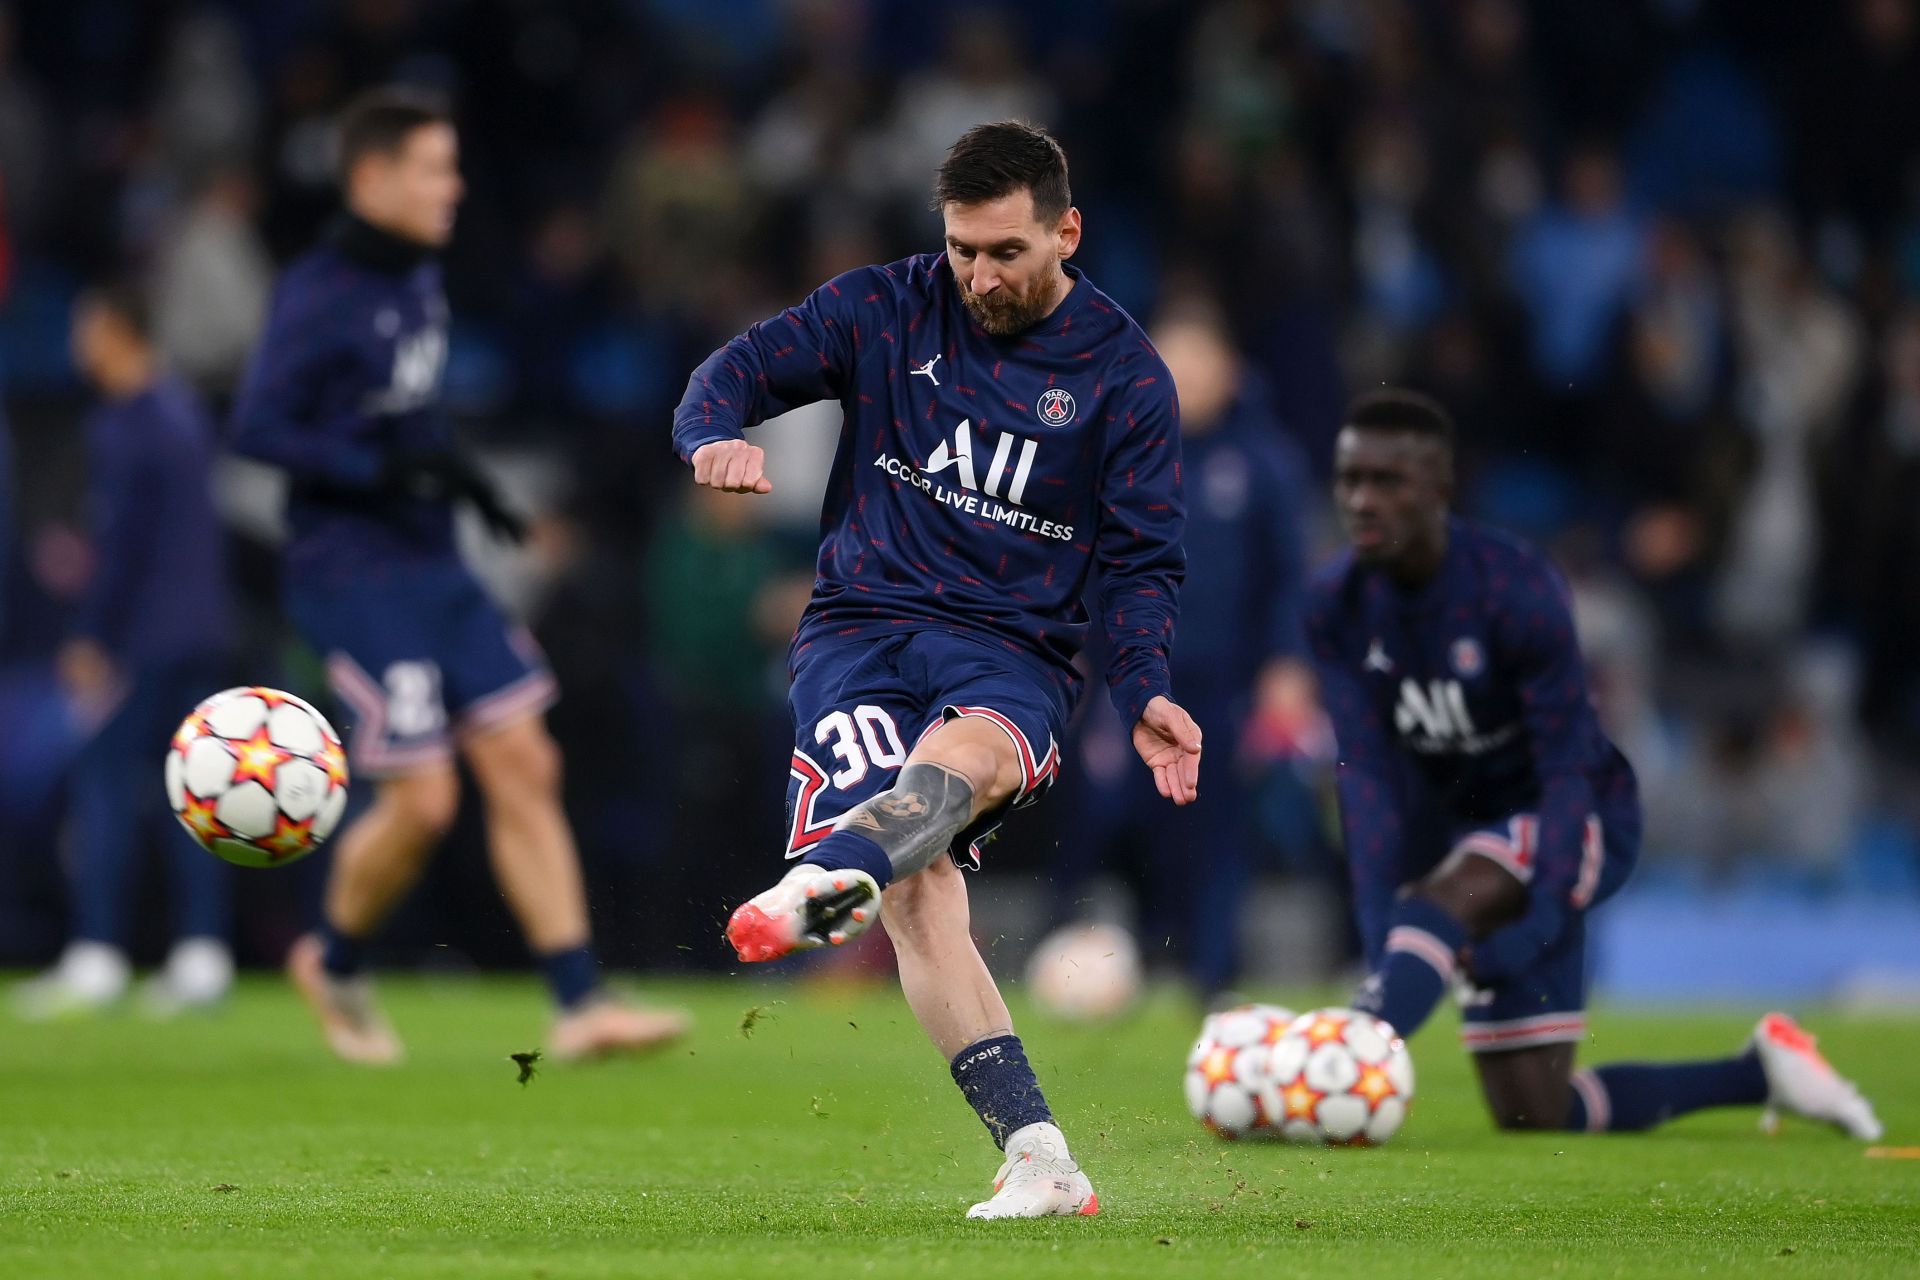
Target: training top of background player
(1477,679)
(979,479)
(345,379)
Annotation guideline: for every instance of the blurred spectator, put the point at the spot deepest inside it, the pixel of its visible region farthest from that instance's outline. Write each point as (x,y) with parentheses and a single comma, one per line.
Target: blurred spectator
(211,283)
(1874,483)
(679,209)
(207,111)
(147,647)
(1575,265)
(982,76)
(1800,352)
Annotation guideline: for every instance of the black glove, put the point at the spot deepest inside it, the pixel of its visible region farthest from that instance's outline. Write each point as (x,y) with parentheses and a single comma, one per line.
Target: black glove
(448,477)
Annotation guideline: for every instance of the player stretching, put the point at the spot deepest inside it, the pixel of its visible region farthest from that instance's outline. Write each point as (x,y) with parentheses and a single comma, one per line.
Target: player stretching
(344,394)
(1007,426)
(1485,812)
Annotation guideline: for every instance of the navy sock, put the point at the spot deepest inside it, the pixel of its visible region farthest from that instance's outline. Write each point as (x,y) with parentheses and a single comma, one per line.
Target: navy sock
(994,1075)
(343,954)
(573,975)
(850,849)
(1422,943)
(1629,1096)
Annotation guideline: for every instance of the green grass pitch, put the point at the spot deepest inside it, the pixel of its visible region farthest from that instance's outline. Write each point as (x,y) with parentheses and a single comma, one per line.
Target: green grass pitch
(830,1142)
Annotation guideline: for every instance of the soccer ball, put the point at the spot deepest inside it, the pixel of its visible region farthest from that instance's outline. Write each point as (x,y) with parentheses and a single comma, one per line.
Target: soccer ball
(257,776)
(1339,1077)
(1226,1076)
(1085,972)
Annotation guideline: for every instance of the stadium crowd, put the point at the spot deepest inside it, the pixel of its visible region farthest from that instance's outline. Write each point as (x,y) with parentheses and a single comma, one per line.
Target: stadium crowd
(1671,292)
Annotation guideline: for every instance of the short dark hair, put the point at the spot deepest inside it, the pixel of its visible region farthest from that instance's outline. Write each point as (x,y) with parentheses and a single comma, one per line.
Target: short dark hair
(379,121)
(1397,409)
(125,301)
(995,160)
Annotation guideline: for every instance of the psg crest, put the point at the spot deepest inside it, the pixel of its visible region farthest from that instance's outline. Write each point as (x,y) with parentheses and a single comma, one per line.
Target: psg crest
(1055,407)
(1467,659)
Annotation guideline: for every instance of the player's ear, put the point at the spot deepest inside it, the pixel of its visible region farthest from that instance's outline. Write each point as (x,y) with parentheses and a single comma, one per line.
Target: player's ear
(1067,234)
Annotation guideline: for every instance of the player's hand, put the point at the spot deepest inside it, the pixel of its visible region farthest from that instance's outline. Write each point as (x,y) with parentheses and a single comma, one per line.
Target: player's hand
(449,477)
(731,466)
(1169,741)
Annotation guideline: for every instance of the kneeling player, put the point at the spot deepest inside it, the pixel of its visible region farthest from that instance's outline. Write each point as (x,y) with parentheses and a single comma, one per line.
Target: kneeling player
(1485,812)
(1006,424)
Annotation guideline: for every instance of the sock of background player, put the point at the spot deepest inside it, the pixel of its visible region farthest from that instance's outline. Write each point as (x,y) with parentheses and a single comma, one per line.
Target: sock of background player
(572,974)
(1423,942)
(342,954)
(1629,1096)
(903,828)
(994,1075)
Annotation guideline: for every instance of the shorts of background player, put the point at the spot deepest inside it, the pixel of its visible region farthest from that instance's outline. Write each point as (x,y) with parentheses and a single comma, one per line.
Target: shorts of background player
(860,708)
(1546,1003)
(421,657)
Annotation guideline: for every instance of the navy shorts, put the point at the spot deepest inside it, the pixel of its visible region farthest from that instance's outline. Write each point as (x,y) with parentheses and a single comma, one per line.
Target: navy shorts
(860,706)
(1547,1002)
(421,657)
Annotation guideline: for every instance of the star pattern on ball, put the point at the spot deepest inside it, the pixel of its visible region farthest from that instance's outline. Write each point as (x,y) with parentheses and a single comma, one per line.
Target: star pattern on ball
(331,758)
(190,729)
(1325,1029)
(202,821)
(1373,1085)
(290,839)
(1217,1067)
(256,758)
(272,697)
(1299,1100)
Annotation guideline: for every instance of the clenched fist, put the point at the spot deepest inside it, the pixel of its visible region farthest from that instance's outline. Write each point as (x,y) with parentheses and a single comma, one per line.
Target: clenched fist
(731,466)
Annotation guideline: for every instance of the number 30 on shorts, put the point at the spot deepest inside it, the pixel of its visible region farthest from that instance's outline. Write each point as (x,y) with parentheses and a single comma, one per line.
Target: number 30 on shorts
(860,740)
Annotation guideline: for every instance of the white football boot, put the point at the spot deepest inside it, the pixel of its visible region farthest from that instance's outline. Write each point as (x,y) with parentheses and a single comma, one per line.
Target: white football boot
(355,1028)
(606,1026)
(197,976)
(810,907)
(89,978)
(1801,1080)
(1039,1179)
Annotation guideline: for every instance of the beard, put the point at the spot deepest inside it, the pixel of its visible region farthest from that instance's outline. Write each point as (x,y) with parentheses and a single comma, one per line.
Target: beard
(1004,313)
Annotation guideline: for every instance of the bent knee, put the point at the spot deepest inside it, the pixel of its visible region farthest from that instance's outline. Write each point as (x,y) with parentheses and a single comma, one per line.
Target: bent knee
(1530,1119)
(425,804)
(521,760)
(1477,892)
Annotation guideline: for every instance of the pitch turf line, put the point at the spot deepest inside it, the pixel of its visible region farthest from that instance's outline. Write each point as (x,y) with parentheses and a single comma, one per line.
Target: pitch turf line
(830,1141)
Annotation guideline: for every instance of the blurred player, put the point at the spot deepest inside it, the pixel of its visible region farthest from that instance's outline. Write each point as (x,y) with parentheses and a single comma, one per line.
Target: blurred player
(1240,639)
(149,644)
(1007,427)
(1485,812)
(344,393)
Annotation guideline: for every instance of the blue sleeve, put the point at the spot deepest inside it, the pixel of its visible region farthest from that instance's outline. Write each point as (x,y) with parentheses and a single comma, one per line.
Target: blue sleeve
(275,412)
(805,354)
(1367,777)
(1138,549)
(1544,651)
(122,477)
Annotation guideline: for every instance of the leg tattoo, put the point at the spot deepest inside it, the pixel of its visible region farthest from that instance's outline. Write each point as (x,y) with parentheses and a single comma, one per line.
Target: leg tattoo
(917,819)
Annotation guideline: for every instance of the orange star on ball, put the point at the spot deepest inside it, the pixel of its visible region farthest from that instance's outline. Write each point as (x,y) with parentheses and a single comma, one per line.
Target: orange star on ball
(1325,1029)
(1299,1100)
(256,758)
(1374,1085)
